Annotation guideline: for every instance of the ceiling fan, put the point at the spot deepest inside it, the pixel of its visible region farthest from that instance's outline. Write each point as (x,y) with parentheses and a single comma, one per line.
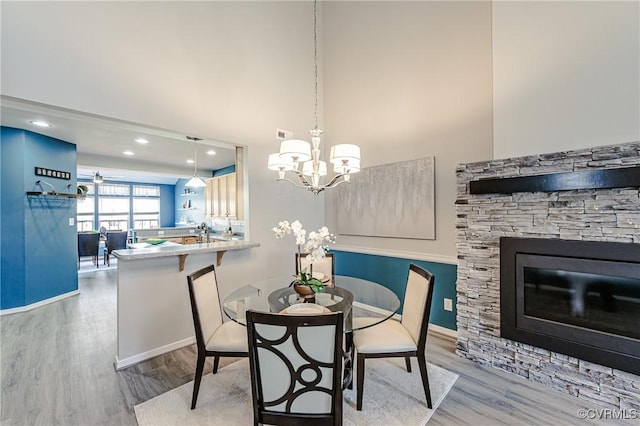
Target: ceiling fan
(97,177)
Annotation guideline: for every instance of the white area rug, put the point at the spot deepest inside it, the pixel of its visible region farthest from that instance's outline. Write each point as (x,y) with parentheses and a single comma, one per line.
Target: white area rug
(392,396)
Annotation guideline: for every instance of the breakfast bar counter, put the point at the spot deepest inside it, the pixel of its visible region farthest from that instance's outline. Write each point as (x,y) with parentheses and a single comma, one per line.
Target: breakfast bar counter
(168,249)
(153,308)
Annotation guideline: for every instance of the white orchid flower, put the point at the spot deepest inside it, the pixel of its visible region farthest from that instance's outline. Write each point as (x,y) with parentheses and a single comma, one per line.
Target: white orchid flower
(315,245)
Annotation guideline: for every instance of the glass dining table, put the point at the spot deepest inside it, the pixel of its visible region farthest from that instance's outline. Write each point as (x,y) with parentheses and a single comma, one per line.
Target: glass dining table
(364,304)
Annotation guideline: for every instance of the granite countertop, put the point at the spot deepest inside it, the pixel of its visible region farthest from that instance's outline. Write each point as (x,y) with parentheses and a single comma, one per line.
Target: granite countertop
(187,232)
(177,249)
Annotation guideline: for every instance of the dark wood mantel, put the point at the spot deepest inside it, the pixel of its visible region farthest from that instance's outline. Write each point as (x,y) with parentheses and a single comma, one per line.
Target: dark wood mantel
(589,179)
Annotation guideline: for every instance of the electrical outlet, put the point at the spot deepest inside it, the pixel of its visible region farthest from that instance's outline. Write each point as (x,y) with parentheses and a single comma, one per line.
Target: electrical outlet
(448,305)
(72,221)
(160,232)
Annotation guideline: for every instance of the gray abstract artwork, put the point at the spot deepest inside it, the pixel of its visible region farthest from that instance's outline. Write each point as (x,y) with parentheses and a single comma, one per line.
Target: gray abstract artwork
(392,200)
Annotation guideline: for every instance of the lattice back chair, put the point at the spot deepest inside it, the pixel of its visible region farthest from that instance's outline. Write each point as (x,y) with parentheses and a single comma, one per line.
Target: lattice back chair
(89,245)
(296,368)
(116,240)
(326,265)
(406,338)
(213,336)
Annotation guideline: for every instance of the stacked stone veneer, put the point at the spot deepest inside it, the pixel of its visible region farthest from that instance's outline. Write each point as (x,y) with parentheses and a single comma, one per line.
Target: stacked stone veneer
(594,215)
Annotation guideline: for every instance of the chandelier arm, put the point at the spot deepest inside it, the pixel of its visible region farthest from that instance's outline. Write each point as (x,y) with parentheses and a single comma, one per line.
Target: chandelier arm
(338,183)
(293,183)
(304,180)
(334,182)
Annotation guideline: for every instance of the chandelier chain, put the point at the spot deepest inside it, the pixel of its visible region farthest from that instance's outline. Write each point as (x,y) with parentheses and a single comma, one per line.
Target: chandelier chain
(294,153)
(315,58)
(195,152)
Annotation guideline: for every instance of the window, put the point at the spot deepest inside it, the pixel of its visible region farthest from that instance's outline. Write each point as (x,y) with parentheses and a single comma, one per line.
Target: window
(113,206)
(86,210)
(113,213)
(146,207)
(118,206)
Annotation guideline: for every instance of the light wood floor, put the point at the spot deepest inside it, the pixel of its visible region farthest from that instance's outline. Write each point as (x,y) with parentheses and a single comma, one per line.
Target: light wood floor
(57,368)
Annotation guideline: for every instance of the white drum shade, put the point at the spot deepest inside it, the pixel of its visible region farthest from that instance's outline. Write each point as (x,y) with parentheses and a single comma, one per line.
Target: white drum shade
(307,168)
(295,150)
(344,152)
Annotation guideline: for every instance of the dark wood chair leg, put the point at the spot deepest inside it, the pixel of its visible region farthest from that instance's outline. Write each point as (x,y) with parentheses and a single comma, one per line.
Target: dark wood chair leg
(216,360)
(422,363)
(197,380)
(350,357)
(360,385)
(407,360)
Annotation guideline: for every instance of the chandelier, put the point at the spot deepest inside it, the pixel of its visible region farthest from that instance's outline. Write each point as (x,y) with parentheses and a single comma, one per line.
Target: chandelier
(303,159)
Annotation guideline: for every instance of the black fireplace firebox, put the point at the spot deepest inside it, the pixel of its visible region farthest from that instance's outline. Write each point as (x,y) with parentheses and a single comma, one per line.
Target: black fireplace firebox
(579,298)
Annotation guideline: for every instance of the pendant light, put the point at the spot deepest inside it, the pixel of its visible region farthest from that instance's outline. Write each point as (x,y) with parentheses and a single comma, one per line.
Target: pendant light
(195,181)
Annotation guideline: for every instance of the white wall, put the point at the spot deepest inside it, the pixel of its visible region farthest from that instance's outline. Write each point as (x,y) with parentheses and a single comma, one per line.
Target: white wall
(408,80)
(231,71)
(566,75)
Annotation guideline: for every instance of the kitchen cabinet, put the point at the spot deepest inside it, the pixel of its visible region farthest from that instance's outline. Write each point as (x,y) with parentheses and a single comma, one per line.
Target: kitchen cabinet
(177,240)
(191,239)
(221,197)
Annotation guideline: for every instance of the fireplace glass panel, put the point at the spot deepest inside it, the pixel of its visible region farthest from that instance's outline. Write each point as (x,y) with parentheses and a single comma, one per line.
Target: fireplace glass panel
(578,298)
(606,303)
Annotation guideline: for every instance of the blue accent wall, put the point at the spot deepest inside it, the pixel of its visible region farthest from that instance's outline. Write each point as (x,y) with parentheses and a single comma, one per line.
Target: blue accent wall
(12,200)
(1,239)
(197,200)
(392,272)
(224,170)
(167,206)
(39,248)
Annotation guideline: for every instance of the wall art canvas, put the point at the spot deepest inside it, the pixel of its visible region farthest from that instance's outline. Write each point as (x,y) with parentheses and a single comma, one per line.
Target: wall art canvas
(391,200)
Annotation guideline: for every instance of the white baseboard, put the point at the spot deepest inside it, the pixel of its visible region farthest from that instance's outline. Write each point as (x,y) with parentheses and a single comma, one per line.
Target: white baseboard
(26,308)
(127,362)
(443,331)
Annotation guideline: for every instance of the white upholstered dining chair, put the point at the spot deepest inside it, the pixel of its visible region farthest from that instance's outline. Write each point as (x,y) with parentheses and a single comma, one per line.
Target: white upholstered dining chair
(213,336)
(406,338)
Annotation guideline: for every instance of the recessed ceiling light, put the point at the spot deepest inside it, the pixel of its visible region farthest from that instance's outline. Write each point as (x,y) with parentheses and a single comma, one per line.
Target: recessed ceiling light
(127,153)
(211,152)
(190,161)
(142,141)
(40,123)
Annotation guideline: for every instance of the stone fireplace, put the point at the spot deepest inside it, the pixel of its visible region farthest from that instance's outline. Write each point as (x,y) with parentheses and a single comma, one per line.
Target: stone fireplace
(602,214)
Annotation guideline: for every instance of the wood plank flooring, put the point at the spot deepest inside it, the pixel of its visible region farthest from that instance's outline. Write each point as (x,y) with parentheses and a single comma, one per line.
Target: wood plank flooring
(56,368)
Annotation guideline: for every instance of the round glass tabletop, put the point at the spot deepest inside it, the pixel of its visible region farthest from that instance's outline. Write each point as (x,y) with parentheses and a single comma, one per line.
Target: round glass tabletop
(364,303)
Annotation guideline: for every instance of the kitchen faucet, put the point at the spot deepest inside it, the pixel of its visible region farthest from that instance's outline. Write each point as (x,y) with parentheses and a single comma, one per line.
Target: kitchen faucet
(203,227)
